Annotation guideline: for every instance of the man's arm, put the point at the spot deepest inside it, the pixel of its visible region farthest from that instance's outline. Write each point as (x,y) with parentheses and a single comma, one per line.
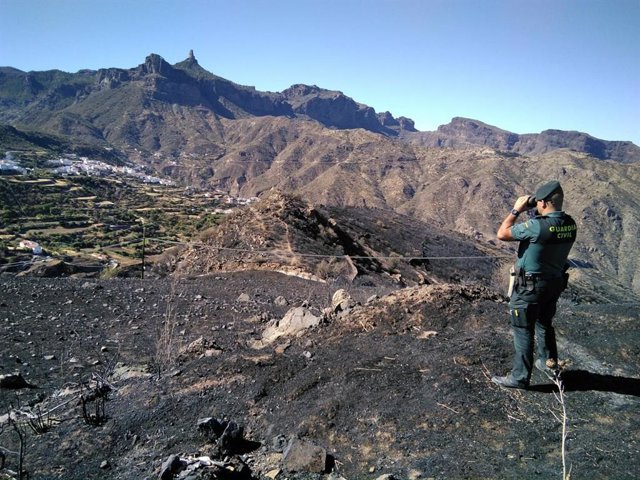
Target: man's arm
(504,232)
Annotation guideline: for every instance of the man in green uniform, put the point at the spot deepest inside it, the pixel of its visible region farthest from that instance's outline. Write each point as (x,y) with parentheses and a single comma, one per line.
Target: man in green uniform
(540,278)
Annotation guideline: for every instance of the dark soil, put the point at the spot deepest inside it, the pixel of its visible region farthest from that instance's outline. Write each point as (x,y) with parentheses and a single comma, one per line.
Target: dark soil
(374,386)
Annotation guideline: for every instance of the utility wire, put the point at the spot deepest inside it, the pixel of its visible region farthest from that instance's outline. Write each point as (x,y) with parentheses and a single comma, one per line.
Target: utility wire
(358,257)
(319,255)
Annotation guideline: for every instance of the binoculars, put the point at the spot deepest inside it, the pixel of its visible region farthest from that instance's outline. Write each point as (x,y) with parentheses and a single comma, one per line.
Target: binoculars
(531,201)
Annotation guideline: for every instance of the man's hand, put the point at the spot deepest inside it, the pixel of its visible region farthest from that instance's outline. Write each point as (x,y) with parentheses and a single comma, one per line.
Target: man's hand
(504,232)
(521,203)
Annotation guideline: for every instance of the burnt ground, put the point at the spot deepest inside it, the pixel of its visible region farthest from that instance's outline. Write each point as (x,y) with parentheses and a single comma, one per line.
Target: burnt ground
(375,386)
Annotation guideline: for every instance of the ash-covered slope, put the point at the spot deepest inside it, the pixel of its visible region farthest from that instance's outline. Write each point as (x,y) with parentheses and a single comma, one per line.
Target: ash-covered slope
(365,246)
(396,385)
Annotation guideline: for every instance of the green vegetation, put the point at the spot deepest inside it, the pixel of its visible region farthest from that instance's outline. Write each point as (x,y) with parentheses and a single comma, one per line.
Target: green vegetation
(90,216)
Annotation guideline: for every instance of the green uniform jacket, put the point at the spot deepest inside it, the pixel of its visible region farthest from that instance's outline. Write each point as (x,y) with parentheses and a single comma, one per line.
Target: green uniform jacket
(545,242)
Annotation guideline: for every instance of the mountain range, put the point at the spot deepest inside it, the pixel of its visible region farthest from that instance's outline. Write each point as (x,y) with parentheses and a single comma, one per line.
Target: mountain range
(183,122)
(158,107)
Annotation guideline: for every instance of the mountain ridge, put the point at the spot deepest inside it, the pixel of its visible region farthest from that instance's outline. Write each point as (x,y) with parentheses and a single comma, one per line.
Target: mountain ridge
(463,132)
(65,103)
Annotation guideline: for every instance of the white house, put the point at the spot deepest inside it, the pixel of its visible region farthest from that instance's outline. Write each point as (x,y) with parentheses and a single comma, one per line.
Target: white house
(30,245)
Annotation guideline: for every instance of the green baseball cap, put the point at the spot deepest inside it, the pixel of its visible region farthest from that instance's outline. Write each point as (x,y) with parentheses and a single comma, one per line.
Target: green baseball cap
(546,190)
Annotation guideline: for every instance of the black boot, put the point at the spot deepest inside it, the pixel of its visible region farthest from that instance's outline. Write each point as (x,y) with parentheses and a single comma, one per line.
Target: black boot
(509,382)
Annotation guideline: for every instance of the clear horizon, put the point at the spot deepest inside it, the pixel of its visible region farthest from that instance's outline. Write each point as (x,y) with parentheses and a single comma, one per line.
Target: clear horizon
(524,67)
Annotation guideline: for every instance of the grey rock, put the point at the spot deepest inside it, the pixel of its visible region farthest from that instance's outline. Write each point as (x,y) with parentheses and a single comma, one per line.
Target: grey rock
(172,466)
(341,301)
(371,299)
(280,301)
(294,322)
(279,443)
(231,438)
(304,456)
(210,426)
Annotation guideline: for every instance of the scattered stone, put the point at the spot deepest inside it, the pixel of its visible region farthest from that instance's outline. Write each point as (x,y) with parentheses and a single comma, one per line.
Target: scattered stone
(254,319)
(272,474)
(210,426)
(49,357)
(427,334)
(414,474)
(280,301)
(279,443)
(172,466)
(304,456)
(294,322)
(232,437)
(201,346)
(386,476)
(372,299)
(280,349)
(105,465)
(341,301)
(243,298)
(197,346)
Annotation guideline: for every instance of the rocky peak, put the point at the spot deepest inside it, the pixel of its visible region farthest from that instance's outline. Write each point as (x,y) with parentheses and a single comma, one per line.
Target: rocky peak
(154,63)
(402,123)
(191,59)
(462,123)
(301,90)
(407,124)
(111,77)
(387,119)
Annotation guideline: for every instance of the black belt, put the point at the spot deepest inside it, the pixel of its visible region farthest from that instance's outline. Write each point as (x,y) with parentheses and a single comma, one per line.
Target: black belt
(539,276)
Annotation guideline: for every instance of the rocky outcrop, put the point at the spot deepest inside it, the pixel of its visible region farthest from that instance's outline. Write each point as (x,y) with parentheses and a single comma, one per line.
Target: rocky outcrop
(335,109)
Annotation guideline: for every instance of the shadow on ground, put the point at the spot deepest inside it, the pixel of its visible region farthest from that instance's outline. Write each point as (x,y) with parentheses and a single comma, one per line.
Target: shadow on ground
(583,381)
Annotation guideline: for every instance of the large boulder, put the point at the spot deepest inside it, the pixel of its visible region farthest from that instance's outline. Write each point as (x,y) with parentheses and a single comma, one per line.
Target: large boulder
(293,323)
(304,456)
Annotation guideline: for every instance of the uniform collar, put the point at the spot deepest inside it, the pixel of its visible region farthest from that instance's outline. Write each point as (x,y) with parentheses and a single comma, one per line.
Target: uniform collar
(558,213)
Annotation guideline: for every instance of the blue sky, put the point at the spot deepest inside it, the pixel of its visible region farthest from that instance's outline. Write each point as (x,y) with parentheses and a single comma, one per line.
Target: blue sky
(521,65)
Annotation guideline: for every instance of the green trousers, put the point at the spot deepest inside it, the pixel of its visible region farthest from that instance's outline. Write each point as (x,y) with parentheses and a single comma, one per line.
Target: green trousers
(532,307)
